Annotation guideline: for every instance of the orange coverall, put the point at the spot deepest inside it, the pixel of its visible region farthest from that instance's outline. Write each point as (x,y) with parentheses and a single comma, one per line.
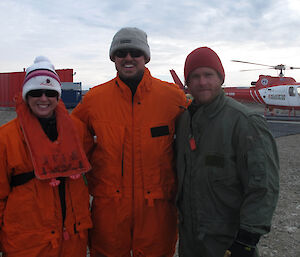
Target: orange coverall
(31,223)
(133,179)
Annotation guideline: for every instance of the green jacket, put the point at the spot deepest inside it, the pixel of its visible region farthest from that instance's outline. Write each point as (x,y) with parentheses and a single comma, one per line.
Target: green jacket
(230,181)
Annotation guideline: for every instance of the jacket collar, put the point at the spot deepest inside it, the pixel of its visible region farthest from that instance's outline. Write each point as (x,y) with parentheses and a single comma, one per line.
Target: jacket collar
(143,87)
(212,109)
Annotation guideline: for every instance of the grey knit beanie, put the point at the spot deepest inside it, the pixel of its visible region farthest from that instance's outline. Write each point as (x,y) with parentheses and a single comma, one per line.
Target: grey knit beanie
(130,37)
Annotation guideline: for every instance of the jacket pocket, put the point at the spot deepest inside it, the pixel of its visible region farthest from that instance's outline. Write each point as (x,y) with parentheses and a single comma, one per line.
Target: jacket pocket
(257,169)
(221,169)
(108,157)
(19,241)
(167,192)
(157,153)
(225,186)
(82,225)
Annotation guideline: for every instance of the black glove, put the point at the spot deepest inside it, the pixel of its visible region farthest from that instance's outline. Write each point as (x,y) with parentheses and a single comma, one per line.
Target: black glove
(244,244)
(239,250)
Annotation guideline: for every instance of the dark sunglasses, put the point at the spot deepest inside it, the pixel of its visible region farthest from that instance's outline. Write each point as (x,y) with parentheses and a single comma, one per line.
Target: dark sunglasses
(40,92)
(134,53)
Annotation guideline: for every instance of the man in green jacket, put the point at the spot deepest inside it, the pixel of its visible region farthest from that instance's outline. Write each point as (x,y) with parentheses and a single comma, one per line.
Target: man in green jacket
(227,165)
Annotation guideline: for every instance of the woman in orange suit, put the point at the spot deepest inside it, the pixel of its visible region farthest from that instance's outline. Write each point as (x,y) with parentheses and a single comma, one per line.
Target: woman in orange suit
(44,201)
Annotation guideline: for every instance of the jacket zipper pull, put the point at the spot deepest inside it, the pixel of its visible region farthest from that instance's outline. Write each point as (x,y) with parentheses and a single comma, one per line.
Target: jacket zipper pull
(66,234)
(192,143)
(54,182)
(75,176)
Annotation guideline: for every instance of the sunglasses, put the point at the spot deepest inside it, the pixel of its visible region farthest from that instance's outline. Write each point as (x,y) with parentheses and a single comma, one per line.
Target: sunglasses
(40,92)
(134,53)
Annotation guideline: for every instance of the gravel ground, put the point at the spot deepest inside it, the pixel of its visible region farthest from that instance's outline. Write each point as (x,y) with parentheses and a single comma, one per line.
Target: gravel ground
(284,238)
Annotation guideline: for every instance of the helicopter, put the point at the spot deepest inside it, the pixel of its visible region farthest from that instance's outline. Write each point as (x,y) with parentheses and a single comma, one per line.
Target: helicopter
(278,92)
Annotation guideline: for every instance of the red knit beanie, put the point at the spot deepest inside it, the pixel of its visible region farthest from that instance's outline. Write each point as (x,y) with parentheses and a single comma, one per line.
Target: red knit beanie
(203,57)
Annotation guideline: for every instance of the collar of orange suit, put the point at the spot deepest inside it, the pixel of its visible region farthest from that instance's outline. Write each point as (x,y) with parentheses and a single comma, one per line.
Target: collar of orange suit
(62,158)
(143,86)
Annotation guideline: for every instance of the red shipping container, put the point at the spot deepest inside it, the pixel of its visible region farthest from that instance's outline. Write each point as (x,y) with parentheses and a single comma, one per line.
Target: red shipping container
(65,75)
(11,84)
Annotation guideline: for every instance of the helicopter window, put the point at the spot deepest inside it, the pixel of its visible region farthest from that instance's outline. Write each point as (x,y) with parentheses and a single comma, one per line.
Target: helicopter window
(292,91)
(298,90)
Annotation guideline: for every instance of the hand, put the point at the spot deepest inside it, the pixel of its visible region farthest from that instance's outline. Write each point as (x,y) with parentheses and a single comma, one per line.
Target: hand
(240,250)
(227,253)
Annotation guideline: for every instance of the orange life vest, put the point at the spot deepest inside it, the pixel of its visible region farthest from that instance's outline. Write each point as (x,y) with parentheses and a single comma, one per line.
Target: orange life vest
(61,158)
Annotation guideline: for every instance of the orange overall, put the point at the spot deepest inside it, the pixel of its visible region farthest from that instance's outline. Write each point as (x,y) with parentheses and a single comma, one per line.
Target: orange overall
(133,179)
(31,223)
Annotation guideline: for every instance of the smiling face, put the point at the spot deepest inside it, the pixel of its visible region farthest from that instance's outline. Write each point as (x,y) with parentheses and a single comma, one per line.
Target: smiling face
(130,67)
(43,106)
(204,84)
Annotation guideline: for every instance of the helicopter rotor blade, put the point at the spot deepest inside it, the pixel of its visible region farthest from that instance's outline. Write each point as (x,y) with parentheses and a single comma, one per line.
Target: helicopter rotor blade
(253,63)
(257,69)
(280,67)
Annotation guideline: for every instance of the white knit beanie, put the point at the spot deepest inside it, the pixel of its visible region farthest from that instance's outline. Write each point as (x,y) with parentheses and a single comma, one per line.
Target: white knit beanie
(41,75)
(127,38)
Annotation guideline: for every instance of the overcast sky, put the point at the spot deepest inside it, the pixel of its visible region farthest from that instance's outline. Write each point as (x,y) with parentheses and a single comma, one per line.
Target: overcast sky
(77,34)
